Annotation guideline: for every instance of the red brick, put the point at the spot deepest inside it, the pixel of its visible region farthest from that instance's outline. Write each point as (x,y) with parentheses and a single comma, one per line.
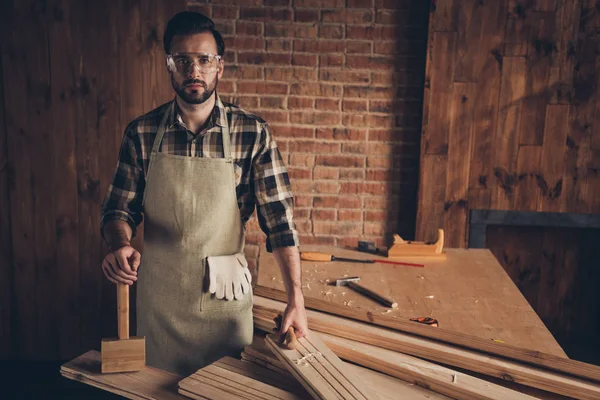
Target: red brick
(276,3)
(299,173)
(335,75)
(303,201)
(347,16)
(319,46)
(393,4)
(272,102)
(305,146)
(371,32)
(303,226)
(302,213)
(385,48)
(380,203)
(226,86)
(354,105)
(350,215)
(326,118)
(300,102)
(247,102)
(290,74)
(225,27)
(337,228)
(327,104)
(326,173)
(326,187)
(242,2)
(332,60)
(382,106)
(380,121)
(355,120)
(331,31)
(249,28)
(315,89)
(356,47)
(261,87)
(291,30)
(320,240)
(204,9)
(382,175)
(341,134)
(243,72)
(323,215)
(282,146)
(326,201)
(306,60)
(364,188)
(379,162)
(302,160)
(225,12)
(369,62)
(360,3)
(292,131)
(305,15)
(318,118)
(319,3)
(274,116)
(351,202)
(266,13)
(349,174)
(369,92)
(385,78)
(341,161)
(264,58)
(354,148)
(397,135)
(244,43)
(230,57)
(393,17)
(375,228)
(278,45)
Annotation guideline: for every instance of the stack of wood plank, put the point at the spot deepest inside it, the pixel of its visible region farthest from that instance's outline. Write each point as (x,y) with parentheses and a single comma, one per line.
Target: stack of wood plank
(393,348)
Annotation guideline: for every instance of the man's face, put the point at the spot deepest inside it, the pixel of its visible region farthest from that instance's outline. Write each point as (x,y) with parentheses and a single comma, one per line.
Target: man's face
(192,85)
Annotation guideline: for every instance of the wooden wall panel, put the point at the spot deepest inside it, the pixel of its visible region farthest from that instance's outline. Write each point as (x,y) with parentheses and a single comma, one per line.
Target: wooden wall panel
(533,64)
(71,81)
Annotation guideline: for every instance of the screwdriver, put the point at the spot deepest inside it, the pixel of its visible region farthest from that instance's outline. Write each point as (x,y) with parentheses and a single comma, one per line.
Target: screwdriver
(317,256)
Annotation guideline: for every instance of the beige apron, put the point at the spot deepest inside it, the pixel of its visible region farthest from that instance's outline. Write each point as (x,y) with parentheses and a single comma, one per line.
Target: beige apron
(190,213)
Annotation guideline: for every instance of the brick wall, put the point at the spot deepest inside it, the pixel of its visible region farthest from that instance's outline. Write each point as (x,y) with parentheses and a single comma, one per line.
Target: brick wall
(341,84)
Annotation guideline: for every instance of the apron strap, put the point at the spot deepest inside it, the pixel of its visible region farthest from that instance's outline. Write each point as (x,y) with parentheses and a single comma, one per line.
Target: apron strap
(161,130)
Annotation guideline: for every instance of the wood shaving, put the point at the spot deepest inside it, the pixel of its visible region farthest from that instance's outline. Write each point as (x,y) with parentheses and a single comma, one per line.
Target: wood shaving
(307,358)
(429,297)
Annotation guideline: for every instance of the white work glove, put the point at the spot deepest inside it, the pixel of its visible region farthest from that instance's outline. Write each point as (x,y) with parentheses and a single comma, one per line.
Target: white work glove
(229,276)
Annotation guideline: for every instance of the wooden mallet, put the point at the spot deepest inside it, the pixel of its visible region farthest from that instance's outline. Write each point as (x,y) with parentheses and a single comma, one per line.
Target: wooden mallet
(123,354)
(289,340)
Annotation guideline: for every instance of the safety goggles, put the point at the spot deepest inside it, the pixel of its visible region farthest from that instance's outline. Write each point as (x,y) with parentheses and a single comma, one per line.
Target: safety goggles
(184,62)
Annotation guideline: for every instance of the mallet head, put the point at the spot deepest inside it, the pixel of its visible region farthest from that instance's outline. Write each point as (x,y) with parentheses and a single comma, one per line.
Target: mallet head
(344,281)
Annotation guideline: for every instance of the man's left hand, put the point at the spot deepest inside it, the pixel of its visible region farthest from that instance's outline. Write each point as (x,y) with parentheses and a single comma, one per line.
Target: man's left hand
(295,315)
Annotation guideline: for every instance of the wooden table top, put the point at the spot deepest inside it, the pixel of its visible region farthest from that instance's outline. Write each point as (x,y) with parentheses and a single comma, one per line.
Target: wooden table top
(468,292)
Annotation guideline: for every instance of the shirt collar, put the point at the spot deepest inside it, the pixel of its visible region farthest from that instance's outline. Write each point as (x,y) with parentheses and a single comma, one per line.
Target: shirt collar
(217,117)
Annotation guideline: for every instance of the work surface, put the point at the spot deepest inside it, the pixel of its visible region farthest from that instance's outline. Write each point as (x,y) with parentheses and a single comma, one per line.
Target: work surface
(468,292)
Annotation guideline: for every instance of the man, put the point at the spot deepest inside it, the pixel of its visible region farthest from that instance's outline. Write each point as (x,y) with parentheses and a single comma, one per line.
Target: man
(195,168)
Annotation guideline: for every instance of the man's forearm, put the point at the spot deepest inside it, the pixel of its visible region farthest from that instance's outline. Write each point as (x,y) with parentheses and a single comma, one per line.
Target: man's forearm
(117,234)
(288,259)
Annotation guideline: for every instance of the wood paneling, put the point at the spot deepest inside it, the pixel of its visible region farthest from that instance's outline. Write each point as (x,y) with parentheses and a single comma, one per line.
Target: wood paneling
(533,69)
(71,81)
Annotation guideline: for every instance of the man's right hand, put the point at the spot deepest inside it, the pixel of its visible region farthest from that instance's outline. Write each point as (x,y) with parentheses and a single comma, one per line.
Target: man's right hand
(121,265)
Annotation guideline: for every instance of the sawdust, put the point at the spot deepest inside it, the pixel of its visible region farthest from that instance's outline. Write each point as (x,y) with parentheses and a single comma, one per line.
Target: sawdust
(307,358)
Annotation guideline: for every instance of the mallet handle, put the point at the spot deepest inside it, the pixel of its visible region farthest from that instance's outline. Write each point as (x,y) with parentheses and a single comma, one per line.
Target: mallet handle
(375,296)
(123,310)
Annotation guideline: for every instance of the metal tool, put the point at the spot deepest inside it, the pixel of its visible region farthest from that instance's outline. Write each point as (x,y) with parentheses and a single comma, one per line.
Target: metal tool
(352,283)
(316,256)
(405,248)
(426,320)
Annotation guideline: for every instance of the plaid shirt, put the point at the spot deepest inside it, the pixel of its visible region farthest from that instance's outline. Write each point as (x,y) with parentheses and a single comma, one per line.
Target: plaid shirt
(261,176)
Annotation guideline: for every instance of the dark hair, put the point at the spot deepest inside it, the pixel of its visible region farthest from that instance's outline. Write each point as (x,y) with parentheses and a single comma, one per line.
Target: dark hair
(189,23)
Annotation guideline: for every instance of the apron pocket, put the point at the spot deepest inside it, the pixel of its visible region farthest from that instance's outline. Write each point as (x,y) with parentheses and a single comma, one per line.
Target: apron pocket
(210,301)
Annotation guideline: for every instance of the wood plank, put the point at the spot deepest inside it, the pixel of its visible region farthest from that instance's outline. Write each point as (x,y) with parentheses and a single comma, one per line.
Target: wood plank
(459,158)
(64,64)
(469,293)
(527,192)
(319,370)
(541,43)
(6,262)
(435,139)
(385,386)
(470,20)
(150,383)
(29,88)
(545,5)
(426,374)
(445,15)
(553,158)
(516,37)
(430,216)
(265,310)
(512,90)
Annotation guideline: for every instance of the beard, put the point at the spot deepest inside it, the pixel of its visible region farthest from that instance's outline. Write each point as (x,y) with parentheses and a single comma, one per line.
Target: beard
(194,96)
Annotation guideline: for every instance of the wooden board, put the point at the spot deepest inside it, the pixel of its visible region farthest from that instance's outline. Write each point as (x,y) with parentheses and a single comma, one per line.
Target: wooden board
(319,370)
(385,386)
(150,383)
(222,379)
(469,293)
(265,310)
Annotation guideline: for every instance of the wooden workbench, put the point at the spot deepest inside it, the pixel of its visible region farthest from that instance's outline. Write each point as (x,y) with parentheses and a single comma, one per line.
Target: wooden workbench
(468,292)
